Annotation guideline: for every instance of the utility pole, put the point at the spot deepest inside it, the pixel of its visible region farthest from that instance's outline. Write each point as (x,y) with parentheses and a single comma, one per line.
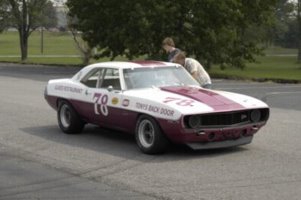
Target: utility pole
(299,30)
(42,40)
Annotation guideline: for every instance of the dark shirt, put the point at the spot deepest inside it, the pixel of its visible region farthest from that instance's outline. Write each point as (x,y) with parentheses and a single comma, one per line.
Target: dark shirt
(172,54)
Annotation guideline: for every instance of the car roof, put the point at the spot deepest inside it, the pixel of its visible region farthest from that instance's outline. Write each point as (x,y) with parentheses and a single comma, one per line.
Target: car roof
(125,65)
(131,64)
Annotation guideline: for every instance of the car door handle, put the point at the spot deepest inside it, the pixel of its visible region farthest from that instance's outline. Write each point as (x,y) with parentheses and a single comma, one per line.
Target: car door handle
(87,92)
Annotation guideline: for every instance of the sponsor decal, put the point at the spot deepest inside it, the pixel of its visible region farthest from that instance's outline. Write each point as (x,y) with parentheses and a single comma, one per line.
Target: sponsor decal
(115,100)
(210,98)
(68,89)
(125,102)
(142,106)
(155,109)
(179,101)
(100,104)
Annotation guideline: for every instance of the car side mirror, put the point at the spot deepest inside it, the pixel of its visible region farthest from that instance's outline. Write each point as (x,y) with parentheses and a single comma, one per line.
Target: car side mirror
(110,88)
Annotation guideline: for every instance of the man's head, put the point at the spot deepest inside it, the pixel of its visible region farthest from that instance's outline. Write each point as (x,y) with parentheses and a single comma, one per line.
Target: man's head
(168,44)
(180,58)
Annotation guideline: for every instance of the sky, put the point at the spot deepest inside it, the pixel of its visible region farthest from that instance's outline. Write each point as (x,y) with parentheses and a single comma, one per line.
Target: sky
(58,2)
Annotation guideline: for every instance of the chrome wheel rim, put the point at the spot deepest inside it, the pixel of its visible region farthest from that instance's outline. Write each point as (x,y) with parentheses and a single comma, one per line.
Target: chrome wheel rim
(65,116)
(146,133)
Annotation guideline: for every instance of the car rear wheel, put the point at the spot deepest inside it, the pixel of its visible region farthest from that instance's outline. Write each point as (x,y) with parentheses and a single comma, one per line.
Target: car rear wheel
(68,119)
(149,136)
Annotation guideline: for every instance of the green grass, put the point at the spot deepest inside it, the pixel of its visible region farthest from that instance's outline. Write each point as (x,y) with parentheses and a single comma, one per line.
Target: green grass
(268,67)
(280,51)
(60,44)
(54,44)
(279,64)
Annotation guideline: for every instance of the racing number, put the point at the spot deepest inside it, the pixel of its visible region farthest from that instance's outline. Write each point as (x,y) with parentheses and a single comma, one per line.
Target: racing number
(179,101)
(100,104)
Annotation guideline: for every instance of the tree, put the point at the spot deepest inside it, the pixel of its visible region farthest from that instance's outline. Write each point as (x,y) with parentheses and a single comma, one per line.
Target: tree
(48,19)
(284,30)
(212,31)
(3,15)
(83,47)
(287,28)
(26,16)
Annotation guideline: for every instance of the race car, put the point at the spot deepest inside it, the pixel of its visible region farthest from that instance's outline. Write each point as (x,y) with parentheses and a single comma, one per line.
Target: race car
(159,102)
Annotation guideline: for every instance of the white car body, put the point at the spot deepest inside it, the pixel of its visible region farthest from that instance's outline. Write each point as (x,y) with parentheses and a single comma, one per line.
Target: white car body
(172,105)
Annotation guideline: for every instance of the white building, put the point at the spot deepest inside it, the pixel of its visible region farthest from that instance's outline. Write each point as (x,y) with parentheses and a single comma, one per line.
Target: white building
(61,12)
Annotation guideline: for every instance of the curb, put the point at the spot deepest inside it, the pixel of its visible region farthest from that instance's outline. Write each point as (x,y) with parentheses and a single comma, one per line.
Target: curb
(43,64)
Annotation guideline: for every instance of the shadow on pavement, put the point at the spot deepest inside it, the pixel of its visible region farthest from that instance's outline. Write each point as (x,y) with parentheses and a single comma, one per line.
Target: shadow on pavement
(122,144)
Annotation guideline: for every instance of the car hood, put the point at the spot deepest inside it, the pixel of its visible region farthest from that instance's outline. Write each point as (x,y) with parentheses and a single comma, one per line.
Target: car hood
(218,100)
(192,100)
(208,97)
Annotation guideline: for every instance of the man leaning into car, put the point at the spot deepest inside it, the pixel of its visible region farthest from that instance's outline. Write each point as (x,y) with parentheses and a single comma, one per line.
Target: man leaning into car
(194,68)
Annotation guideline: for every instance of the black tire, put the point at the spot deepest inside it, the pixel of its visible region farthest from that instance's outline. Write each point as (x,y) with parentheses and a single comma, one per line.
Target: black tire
(68,119)
(149,136)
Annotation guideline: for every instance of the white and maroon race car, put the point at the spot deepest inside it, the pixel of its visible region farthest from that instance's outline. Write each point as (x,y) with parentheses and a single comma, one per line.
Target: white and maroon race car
(157,101)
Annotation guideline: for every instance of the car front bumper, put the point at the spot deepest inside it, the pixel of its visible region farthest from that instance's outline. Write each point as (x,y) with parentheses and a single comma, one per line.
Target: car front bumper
(220,144)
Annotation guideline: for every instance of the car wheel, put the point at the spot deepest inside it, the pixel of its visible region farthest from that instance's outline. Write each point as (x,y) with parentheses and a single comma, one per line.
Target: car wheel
(68,119)
(149,136)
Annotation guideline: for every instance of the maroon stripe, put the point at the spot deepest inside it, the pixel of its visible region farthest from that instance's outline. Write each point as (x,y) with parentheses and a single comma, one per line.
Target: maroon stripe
(210,98)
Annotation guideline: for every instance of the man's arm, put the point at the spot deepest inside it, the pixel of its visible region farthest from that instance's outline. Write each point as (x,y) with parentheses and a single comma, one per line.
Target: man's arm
(195,75)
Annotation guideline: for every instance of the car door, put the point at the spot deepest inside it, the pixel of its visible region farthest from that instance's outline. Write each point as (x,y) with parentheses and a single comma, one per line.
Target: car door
(109,98)
(105,97)
(88,108)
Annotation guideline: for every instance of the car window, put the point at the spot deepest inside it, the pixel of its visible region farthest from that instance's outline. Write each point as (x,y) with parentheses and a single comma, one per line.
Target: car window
(110,78)
(157,77)
(92,79)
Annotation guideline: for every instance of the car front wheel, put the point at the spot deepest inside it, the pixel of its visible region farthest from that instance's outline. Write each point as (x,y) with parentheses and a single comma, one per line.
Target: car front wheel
(68,119)
(149,136)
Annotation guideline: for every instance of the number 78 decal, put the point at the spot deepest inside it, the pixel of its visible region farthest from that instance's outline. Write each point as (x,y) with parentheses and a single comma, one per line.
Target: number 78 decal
(179,101)
(100,104)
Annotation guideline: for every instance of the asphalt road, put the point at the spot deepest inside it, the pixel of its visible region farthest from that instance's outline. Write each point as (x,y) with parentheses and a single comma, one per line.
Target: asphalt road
(37,161)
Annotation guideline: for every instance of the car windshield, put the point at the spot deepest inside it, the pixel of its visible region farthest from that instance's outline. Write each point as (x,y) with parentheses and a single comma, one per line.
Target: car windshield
(157,77)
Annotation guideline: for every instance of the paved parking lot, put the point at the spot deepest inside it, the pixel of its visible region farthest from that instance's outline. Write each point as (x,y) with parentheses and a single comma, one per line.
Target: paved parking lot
(39,162)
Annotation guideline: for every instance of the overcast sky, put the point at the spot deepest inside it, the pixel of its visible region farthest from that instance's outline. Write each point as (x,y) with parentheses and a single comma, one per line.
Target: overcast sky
(58,2)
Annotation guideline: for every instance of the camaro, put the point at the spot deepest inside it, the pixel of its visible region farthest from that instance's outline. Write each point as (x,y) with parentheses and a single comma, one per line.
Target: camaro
(159,102)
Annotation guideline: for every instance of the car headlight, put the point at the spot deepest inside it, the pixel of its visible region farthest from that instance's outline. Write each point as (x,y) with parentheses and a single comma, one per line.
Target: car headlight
(194,121)
(255,115)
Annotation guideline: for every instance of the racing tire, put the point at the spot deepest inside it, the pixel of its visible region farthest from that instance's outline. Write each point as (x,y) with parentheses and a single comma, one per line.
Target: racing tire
(68,119)
(149,136)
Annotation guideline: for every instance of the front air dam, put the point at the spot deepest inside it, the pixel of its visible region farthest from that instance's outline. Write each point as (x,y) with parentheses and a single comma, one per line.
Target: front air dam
(220,144)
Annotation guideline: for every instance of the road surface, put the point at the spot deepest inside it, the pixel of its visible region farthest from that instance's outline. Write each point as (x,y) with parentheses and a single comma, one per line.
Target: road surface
(37,161)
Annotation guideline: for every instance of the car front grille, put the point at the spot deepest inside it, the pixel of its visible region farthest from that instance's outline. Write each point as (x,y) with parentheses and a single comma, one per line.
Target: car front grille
(228,118)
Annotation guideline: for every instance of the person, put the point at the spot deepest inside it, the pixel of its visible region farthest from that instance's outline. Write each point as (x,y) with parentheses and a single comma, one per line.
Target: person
(194,68)
(169,46)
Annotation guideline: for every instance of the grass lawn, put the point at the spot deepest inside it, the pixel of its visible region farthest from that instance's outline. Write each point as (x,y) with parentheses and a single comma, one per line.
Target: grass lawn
(60,49)
(54,44)
(280,51)
(269,67)
(60,44)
